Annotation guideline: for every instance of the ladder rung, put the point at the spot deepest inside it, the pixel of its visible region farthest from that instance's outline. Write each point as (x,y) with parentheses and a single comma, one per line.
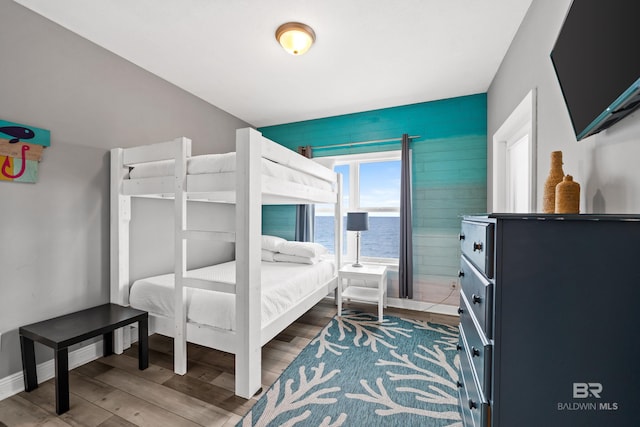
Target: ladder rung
(209,285)
(223,236)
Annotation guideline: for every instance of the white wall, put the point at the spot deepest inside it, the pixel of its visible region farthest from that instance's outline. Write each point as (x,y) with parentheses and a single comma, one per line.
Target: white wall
(605,164)
(54,256)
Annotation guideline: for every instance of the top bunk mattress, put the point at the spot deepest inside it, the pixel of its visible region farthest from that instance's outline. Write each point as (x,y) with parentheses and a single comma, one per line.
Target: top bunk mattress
(224,163)
(283,284)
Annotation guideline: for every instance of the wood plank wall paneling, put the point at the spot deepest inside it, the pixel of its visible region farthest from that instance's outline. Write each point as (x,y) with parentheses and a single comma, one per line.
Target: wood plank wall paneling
(449,173)
(279,221)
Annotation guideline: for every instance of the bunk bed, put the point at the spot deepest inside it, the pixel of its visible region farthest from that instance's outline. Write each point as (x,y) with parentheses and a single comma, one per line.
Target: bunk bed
(260,172)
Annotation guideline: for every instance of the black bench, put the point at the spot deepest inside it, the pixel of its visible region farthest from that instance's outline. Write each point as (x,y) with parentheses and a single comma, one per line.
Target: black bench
(61,332)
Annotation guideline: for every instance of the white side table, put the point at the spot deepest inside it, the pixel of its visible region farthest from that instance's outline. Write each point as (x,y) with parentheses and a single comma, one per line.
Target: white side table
(377,273)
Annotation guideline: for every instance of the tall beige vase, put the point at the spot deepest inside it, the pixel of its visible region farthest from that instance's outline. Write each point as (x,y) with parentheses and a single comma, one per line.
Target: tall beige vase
(568,196)
(555,177)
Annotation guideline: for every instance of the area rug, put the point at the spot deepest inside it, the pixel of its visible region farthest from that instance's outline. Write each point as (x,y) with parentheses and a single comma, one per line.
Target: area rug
(359,372)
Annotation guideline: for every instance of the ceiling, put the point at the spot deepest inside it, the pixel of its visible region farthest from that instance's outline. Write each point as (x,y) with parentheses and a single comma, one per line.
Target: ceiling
(368,54)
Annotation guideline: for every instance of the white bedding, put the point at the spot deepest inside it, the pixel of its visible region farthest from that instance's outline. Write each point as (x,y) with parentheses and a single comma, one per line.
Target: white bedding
(283,284)
(220,163)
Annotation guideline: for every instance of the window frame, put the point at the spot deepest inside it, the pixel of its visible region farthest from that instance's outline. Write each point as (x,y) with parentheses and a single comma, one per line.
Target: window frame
(353,161)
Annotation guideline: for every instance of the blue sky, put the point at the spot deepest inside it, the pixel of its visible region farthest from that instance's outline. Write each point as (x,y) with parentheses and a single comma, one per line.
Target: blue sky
(379,186)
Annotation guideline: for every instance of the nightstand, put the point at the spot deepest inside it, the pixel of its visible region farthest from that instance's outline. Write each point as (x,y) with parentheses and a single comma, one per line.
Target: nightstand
(377,273)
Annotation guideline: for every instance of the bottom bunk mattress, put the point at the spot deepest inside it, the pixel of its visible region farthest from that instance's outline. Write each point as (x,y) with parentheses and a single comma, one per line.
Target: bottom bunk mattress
(283,284)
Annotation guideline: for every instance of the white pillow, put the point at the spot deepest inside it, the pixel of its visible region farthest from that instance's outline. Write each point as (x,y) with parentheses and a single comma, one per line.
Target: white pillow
(271,243)
(280,257)
(302,249)
(268,255)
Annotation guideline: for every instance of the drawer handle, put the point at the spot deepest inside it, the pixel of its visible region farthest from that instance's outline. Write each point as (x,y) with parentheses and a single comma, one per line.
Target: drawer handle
(475,352)
(460,310)
(461,236)
(477,246)
(476,299)
(472,404)
(460,273)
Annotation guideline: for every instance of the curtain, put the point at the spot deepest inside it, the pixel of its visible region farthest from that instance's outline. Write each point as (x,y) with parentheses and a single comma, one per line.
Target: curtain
(305,213)
(304,222)
(406,244)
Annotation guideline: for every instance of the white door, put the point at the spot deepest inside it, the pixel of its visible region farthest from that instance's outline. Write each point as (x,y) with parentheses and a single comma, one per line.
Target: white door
(518,175)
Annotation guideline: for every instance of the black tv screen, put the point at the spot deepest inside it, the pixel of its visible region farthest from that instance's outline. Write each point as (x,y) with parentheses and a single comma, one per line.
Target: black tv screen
(597,61)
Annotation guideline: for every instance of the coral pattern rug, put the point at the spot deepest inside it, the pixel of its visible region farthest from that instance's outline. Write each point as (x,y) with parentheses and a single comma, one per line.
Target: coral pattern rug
(358,372)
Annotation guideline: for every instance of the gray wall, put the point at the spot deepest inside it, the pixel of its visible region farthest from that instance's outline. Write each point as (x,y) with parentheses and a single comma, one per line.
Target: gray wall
(605,164)
(54,256)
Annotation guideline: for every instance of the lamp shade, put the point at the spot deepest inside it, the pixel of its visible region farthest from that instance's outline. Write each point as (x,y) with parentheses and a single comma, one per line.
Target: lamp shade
(357,221)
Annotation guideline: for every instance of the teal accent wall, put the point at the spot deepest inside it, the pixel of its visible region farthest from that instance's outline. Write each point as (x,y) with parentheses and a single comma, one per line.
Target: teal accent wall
(279,221)
(449,169)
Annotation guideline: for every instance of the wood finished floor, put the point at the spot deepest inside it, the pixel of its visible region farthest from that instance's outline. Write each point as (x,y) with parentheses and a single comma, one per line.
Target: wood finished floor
(111,391)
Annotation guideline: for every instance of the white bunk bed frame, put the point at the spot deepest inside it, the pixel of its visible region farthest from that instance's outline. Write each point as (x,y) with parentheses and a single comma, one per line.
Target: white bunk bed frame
(248,189)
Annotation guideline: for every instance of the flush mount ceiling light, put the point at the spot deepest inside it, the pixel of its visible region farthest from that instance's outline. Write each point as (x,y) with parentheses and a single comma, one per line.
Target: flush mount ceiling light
(295,38)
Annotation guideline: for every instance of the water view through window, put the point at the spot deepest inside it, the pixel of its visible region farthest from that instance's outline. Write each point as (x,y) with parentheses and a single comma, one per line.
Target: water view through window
(369,185)
(381,240)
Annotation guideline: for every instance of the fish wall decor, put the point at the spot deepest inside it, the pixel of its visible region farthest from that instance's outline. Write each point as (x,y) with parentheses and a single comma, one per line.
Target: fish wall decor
(21,149)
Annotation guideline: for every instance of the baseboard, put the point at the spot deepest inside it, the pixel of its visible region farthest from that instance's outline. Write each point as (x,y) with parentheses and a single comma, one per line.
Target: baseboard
(14,384)
(428,307)
(410,304)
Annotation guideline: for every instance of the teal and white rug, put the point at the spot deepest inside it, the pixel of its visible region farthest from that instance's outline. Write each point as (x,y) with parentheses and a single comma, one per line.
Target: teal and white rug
(358,372)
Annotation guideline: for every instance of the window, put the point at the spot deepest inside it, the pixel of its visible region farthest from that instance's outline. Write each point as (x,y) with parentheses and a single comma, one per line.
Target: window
(371,183)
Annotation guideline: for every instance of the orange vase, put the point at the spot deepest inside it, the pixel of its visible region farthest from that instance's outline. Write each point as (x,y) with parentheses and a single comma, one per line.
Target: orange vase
(568,196)
(555,177)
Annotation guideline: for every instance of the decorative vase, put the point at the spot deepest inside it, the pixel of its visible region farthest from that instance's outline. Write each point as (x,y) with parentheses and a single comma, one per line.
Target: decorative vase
(568,196)
(555,177)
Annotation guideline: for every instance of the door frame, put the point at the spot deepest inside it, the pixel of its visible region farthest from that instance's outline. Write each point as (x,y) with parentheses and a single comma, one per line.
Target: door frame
(522,121)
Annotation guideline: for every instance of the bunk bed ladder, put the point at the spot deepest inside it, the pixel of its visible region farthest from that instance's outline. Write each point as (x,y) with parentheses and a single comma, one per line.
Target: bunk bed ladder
(247,236)
(182,235)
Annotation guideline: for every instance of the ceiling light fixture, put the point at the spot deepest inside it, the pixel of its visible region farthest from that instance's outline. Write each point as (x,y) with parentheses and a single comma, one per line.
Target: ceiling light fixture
(295,38)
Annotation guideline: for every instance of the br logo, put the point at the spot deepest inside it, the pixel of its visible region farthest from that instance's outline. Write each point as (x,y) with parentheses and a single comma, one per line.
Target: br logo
(584,390)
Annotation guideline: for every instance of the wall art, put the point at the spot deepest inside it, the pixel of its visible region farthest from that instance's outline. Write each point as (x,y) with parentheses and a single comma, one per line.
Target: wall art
(21,148)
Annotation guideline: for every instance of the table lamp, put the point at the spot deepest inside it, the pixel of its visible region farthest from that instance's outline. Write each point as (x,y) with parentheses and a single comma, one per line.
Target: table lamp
(357,221)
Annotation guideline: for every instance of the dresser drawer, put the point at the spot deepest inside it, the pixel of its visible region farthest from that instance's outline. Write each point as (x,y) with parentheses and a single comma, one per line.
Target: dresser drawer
(479,292)
(476,243)
(474,406)
(477,346)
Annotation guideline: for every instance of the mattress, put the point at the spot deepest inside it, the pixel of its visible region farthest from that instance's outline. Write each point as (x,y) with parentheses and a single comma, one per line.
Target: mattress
(221,163)
(283,284)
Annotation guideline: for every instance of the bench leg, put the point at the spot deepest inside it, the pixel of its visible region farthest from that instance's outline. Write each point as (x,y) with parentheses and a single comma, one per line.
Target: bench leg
(28,363)
(62,380)
(107,344)
(143,344)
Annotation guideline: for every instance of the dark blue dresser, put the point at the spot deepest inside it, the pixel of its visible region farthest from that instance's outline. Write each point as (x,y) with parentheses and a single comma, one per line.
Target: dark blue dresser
(549,320)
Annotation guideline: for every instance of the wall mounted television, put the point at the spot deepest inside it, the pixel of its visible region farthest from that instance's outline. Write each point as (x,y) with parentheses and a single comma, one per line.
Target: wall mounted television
(596,58)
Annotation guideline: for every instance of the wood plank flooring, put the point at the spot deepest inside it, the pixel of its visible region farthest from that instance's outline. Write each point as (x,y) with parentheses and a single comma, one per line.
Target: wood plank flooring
(111,391)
